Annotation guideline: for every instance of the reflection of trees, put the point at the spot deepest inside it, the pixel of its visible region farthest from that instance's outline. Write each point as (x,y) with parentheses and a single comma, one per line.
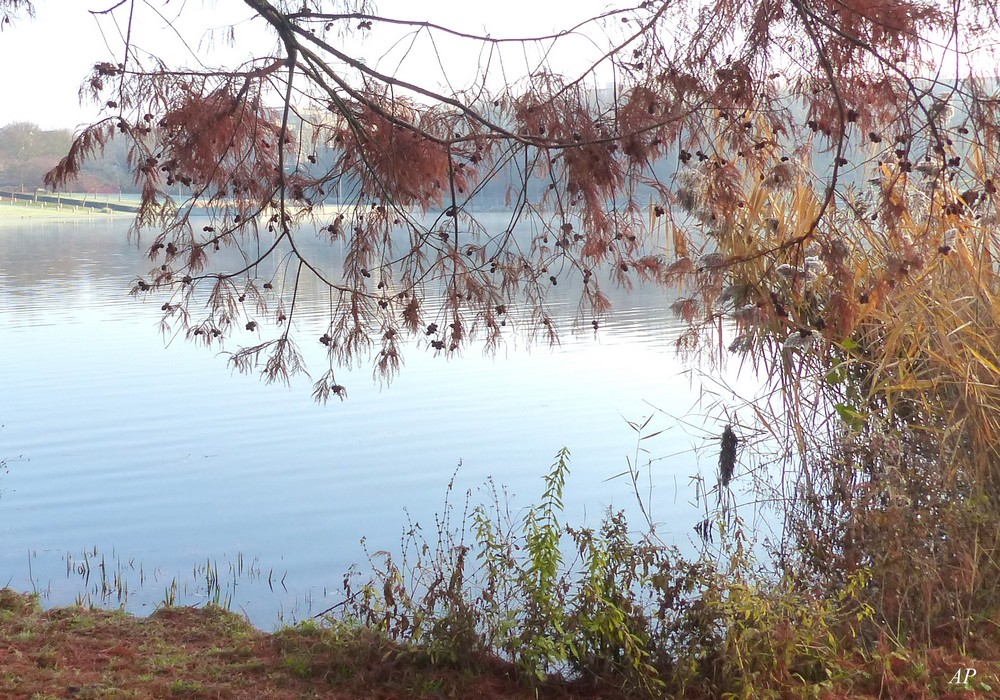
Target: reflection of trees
(98,254)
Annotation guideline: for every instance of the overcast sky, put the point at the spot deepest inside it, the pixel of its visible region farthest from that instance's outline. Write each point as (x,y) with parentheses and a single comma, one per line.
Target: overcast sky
(47,58)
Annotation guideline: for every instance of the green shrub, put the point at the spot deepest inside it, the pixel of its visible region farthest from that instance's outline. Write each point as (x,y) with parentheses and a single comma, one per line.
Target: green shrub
(604,606)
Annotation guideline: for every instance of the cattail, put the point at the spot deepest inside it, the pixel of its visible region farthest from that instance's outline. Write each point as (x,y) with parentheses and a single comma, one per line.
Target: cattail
(727,455)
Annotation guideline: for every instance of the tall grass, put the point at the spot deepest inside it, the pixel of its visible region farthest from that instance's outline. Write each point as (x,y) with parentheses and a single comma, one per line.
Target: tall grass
(608,606)
(875,319)
(876,322)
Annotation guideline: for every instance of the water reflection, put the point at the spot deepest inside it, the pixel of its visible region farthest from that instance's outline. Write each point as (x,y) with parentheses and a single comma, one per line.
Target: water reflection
(164,457)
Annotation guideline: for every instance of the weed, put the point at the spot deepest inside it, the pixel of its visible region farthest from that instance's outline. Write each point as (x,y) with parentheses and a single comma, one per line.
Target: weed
(299,666)
(428,686)
(183,687)
(602,606)
(15,604)
(881,356)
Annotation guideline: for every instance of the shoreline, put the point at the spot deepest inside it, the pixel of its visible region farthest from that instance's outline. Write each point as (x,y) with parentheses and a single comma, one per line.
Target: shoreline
(211,652)
(20,213)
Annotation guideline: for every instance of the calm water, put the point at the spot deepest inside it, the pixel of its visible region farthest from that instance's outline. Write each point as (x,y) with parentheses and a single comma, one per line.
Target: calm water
(162,459)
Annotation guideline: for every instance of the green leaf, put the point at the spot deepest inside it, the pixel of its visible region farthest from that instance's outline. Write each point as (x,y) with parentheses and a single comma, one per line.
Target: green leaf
(854,419)
(836,375)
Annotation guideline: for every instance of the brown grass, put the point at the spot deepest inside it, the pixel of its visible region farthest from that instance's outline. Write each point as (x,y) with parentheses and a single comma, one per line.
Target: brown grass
(212,653)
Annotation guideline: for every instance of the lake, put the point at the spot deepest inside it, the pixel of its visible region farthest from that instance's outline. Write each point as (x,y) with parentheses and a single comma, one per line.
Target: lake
(155,460)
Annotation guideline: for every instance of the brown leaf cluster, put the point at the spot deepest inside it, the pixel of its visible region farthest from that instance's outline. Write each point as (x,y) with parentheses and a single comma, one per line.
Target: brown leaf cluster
(401,154)
(222,140)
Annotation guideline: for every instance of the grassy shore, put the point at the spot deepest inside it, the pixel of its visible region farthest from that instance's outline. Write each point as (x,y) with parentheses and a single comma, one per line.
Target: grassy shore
(212,653)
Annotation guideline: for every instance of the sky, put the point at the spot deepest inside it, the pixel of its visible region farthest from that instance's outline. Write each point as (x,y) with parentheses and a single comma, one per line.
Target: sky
(48,57)
(55,51)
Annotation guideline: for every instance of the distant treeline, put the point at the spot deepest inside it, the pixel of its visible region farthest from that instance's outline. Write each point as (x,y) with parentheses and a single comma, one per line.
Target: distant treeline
(27,152)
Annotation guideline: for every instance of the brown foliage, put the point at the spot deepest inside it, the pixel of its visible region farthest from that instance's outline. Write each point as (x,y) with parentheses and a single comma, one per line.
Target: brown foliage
(220,140)
(392,150)
(576,158)
(87,144)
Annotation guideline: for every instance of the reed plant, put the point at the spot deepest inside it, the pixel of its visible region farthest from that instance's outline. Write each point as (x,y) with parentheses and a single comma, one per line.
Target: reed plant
(607,607)
(874,315)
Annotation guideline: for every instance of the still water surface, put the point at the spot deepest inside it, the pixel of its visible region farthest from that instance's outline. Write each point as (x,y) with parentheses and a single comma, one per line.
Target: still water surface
(161,459)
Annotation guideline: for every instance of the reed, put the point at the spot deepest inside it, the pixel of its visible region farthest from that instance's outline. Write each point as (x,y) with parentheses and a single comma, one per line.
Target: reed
(108,579)
(874,320)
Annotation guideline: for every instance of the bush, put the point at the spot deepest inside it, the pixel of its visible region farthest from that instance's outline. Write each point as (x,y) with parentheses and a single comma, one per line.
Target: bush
(604,606)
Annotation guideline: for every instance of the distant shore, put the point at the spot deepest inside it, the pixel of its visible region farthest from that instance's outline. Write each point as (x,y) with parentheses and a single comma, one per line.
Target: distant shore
(74,202)
(36,212)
